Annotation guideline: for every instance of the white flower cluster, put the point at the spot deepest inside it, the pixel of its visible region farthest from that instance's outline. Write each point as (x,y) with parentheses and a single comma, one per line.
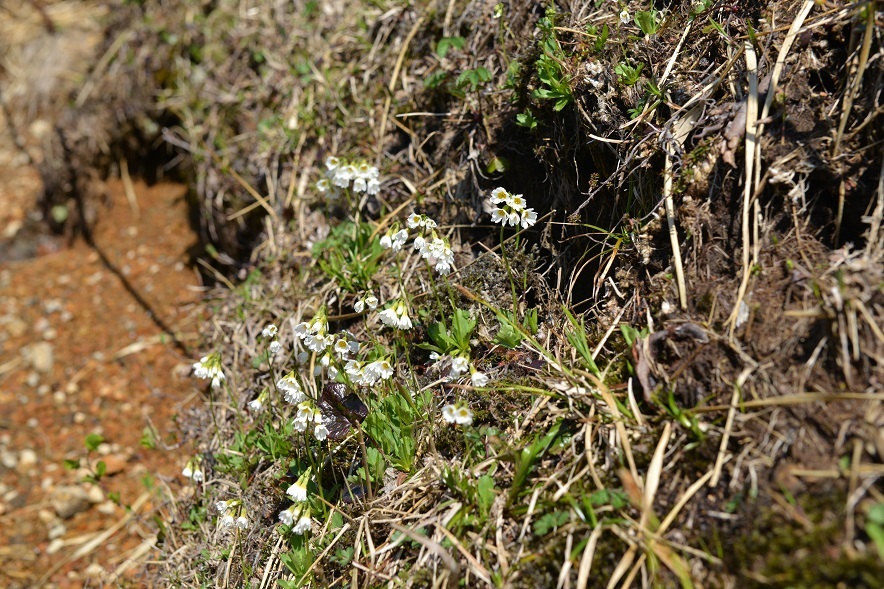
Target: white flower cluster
(367,375)
(270,332)
(210,367)
(339,174)
(194,469)
(394,240)
(290,388)
(396,315)
(314,334)
(460,365)
(296,517)
(367,301)
(233,514)
(513,212)
(457,413)
(434,249)
(308,414)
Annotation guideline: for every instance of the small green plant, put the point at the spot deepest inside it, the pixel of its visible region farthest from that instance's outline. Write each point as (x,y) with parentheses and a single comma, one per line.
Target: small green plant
(473,79)
(875,527)
(527,120)
(628,74)
(550,66)
(577,338)
(648,21)
(445,340)
(600,37)
(447,43)
(350,255)
(509,336)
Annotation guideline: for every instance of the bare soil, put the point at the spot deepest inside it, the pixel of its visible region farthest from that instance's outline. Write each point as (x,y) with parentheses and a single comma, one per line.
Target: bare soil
(83,352)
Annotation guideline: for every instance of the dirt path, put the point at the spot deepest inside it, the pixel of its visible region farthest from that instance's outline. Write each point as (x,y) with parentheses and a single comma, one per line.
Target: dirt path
(80,354)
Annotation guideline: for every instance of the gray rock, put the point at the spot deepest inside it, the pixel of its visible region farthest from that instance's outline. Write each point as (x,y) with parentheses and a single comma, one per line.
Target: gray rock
(40,356)
(69,500)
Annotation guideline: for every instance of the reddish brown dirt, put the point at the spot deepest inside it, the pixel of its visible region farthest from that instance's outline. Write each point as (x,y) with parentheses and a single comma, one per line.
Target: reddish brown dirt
(74,307)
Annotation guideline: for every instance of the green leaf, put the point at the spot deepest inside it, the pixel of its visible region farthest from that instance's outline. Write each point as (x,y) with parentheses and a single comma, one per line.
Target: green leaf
(71,464)
(647,21)
(496,165)
(485,493)
(526,119)
(435,79)
(100,468)
(446,43)
(876,514)
(93,441)
(462,326)
(550,521)
(507,336)
(147,439)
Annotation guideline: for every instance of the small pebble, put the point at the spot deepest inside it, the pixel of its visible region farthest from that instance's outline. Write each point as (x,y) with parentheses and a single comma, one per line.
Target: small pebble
(28,457)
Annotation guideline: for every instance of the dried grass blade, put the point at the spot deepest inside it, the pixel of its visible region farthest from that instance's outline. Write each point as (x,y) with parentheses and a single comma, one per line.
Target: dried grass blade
(586,559)
(748,191)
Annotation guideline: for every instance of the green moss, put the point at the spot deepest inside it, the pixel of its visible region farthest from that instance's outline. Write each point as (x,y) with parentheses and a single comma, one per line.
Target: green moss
(781,552)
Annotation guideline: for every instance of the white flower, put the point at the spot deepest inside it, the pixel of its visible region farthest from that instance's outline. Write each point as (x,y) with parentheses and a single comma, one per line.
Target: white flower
(463,415)
(529,218)
(359,306)
(624,16)
(227,521)
(396,315)
(359,185)
(499,216)
(449,413)
(479,379)
(457,413)
(222,506)
(513,219)
(323,185)
(429,223)
(291,389)
(399,239)
(498,195)
(316,343)
(304,523)
(373,186)
(287,516)
(332,163)
(341,348)
(298,492)
(257,404)
(414,221)
(419,242)
(269,331)
(371,301)
(516,201)
(381,368)
(387,240)
(210,367)
(389,317)
(459,365)
(320,432)
(274,348)
(242,522)
(192,470)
